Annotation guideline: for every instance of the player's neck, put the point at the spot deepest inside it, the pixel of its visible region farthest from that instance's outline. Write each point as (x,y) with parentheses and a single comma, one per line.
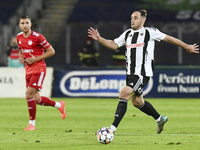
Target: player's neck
(26,34)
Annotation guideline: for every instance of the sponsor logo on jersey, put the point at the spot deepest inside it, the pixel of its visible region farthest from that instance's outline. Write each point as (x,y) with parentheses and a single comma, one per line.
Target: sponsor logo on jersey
(134,45)
(27,50)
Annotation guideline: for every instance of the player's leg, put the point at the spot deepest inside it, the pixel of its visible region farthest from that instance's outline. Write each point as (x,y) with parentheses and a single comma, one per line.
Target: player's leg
(148,109)
(37,83)
(124,95)
(144,106)
(137,99)
(30,97)
(45,101)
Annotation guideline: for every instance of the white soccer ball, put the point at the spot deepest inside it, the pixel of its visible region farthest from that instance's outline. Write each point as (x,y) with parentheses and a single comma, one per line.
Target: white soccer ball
(105,135)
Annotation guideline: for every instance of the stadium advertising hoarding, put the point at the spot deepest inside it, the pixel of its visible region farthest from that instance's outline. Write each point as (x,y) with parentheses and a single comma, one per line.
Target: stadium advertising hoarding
(13,85)
(95,83)
(183,83)
(108,83)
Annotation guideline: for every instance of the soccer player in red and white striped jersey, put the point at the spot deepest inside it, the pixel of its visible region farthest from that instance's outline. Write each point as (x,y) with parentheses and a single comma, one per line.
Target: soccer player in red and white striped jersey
(32,47)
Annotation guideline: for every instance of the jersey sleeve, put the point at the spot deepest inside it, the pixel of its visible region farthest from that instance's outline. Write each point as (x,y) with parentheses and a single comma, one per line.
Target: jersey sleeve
(120,41)
(43,42)
(18,43)
(156,34)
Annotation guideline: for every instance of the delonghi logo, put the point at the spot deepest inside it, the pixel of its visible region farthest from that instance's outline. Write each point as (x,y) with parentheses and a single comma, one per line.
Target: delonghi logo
(148,87)
(107,83)
(93,83)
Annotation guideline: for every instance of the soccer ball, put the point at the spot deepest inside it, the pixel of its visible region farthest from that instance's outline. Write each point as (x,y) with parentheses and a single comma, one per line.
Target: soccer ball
(105,135)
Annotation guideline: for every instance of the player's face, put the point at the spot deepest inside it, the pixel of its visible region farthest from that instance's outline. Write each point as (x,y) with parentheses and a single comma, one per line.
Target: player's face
(25,25)
(137,21)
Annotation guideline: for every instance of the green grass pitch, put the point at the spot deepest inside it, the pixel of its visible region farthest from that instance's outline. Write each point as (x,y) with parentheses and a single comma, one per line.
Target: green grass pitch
(86,115)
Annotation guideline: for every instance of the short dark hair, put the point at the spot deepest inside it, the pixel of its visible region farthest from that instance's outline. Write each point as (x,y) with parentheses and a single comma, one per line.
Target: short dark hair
(24,17)
(143,12)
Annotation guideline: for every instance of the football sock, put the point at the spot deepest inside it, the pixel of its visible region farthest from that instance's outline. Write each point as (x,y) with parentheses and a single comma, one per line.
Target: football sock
(120,112)
(57,105)
(148,109)
(46,101)
(158,120)
(31,108)
(113,128)
(32,122)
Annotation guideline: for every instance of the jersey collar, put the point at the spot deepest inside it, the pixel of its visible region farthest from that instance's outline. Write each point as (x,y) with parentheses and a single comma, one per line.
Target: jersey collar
(138,30)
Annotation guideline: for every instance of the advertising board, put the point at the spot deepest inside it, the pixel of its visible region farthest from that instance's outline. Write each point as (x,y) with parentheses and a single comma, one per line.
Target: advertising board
(176,83)
(13,85)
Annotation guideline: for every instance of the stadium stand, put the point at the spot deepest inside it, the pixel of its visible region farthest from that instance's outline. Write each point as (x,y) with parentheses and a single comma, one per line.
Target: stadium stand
(10,12)
(65,22)
(48,17)
(8,8)
(116,10)
(111,17)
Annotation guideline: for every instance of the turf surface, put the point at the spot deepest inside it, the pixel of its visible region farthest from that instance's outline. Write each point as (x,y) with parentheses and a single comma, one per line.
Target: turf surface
(86,115)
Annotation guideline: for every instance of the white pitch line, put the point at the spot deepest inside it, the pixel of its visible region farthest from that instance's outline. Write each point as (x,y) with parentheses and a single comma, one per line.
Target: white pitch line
(196,134)
(120,134)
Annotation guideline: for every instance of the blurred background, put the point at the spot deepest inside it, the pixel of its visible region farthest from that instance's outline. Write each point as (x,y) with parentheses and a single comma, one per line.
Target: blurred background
(64,23)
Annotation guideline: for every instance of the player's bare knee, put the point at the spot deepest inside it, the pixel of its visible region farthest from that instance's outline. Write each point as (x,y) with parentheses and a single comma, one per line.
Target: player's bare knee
(136,104)
(29,94)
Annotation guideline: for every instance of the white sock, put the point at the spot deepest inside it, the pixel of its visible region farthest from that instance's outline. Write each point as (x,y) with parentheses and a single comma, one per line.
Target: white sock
(57,105)
(158,120)
(32,122)
(113,128)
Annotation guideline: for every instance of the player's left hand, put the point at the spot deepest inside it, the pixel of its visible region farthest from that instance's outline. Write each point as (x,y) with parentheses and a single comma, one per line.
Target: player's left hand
(193,48)
(31,60)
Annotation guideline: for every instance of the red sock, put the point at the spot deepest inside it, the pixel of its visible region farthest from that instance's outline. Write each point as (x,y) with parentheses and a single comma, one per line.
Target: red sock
(31,108)
(46,101)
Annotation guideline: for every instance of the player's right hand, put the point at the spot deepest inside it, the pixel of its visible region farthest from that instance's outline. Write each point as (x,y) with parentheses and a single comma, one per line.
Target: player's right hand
(93,33)
(21,60)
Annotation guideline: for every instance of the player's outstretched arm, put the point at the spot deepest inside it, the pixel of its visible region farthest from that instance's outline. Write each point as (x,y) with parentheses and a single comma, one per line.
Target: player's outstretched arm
(93,33)
(189,48)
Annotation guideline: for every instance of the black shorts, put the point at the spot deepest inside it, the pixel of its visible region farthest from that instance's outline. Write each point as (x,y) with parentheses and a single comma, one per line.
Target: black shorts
(137,83)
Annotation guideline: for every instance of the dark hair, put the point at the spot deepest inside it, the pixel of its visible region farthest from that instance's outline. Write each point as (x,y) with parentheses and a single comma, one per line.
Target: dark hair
(24,17)
(143,12)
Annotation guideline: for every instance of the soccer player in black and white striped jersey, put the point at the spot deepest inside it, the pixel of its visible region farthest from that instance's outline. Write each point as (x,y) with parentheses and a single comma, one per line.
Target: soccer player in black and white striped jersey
(139,41)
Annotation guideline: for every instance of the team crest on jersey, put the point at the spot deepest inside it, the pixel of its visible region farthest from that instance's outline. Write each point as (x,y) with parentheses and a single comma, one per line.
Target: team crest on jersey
(20,42)
(30,42)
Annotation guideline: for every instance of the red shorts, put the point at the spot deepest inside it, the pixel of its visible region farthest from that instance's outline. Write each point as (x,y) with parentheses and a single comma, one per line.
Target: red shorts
(35,80)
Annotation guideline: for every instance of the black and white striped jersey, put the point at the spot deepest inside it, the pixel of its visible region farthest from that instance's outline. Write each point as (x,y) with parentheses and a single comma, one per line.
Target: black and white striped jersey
(140,46)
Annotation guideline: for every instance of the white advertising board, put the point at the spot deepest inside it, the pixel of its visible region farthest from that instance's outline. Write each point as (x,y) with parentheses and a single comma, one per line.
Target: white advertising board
(13,85)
